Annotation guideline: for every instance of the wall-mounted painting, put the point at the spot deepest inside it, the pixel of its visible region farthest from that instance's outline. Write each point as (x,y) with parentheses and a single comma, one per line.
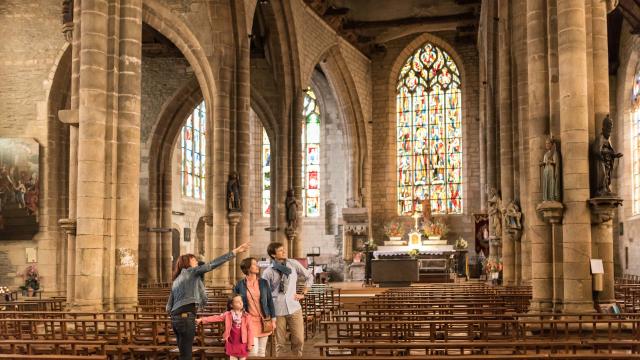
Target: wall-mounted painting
(19,188)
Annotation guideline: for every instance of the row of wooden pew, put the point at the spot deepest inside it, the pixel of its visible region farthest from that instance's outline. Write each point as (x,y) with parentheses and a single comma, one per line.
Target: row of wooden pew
(472,319)
(144,333)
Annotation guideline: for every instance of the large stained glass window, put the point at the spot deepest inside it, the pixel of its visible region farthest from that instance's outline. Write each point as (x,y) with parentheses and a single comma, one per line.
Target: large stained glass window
(429,133)
(636,143)
(266,174)
(193,147)
(311,155)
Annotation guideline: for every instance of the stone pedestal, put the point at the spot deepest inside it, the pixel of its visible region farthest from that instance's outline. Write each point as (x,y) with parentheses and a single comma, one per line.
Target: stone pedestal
(234,272)
(551,212)
(291,236)
(602,212)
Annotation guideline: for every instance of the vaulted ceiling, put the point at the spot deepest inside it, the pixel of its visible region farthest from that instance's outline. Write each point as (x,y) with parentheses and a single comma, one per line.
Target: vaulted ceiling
(369,24)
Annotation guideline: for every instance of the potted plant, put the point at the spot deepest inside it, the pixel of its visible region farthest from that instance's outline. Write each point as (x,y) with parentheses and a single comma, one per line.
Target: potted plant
(435,230)
(394,230)
(461,244)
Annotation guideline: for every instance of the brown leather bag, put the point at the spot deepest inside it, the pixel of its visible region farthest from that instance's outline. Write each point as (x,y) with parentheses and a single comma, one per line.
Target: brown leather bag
(267,323)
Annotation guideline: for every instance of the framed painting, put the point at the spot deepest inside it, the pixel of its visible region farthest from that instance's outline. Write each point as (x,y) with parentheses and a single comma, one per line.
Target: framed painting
(19,188)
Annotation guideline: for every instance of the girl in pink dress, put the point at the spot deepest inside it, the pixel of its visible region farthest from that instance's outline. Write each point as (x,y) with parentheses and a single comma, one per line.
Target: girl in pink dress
(238,334)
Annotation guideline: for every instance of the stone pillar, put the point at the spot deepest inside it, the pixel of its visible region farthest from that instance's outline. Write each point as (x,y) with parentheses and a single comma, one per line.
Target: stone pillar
(506,136)
(576,229)
(295,249)
(602,214)
(523,248)
(243,152)
(536,231)
(71,117)
(601,229)
(108,156)
(491,127)
(128,159)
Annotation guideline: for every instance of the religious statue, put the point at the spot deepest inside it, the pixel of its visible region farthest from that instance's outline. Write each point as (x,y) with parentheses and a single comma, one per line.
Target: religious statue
(604,156)
(233,192)
(495,213)
(67,19)
(551,171)
(291,205)
(513,216)
(426,211)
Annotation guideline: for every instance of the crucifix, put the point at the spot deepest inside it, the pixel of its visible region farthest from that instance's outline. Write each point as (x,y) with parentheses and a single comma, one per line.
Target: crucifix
(415,216)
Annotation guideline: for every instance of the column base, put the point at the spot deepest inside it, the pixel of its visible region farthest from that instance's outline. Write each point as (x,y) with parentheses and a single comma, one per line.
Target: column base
(582,307)
(541,306)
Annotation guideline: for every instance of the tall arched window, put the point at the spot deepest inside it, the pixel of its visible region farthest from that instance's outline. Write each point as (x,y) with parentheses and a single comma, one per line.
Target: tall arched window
(635,144)
(266,174)
(311,155)
(193,147)
(429,133)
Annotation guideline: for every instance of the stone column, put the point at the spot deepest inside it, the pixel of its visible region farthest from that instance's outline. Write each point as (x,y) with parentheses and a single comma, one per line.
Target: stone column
(603,209)
(536,231)
(506,136)
(71,117)
(523,248)
(491,123)
(574,121)
(108,156)
(601,229)
(128,159)
(91,202)
(295,249)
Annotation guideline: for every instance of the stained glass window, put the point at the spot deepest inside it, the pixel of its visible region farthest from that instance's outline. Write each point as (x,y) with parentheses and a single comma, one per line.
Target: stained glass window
(266,174)
(193,147)
(429,133)
(636,143)
(311,154)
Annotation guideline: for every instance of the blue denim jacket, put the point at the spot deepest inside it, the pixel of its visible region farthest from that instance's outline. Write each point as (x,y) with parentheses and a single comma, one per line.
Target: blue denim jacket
(266,300)
(188,287)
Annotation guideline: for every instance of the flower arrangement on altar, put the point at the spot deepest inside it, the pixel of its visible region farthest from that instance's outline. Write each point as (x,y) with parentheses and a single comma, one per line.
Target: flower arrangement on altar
(492,265)
(436,228)
(395,228)
(461,244)
(413,253)
(4,290)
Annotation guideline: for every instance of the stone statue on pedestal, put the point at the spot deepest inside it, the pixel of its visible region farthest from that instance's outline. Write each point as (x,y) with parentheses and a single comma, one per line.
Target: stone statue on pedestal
(551,171)
(605,156)
(292,210)
(495,213)
(233,192)
(513,216)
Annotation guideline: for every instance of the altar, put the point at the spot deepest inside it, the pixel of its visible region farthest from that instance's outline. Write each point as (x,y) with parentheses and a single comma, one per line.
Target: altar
(393,266)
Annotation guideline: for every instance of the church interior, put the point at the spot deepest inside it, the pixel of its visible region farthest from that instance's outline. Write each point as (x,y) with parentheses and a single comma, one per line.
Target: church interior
(460,178)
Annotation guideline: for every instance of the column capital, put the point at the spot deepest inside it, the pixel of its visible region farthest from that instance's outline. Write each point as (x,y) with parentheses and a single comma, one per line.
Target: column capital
(68,225)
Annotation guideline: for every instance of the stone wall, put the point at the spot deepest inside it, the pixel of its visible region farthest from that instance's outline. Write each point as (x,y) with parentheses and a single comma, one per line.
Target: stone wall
(30,51)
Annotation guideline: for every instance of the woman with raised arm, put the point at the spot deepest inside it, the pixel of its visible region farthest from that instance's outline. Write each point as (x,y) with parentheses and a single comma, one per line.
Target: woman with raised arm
(188,294)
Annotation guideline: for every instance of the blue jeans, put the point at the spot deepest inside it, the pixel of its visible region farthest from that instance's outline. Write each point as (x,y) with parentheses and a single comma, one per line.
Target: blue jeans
(185,330)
